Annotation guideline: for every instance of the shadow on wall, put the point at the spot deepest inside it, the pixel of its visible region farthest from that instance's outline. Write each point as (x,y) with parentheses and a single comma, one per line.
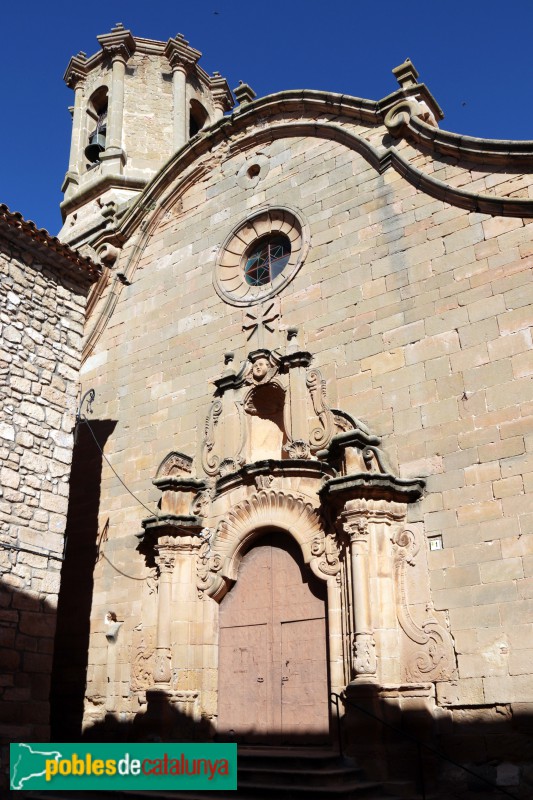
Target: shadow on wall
(495,743)
(27,626)
(76,592)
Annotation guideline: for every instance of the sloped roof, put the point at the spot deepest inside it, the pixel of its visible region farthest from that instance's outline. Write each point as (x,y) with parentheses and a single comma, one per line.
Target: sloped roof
(27,234)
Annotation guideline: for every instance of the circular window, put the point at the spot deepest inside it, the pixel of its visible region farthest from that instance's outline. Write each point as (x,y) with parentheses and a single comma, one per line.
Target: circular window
(260,257)
(267,259)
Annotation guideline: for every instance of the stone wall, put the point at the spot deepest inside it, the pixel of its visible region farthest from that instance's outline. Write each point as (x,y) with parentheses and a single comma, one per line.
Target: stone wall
(42,298)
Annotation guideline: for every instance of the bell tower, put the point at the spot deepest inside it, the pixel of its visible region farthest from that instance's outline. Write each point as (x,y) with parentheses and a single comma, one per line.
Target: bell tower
(136,102)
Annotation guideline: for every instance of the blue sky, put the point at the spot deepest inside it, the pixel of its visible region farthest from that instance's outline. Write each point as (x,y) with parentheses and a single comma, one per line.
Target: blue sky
(474,56)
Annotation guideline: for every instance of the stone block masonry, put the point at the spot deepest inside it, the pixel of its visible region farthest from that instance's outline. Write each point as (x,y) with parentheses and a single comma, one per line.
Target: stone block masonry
(43,293)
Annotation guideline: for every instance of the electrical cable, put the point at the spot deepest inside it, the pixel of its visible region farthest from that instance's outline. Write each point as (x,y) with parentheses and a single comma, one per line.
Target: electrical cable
(84,419)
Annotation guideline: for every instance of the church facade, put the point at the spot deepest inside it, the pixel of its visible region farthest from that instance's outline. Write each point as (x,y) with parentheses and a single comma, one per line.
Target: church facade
(311,347)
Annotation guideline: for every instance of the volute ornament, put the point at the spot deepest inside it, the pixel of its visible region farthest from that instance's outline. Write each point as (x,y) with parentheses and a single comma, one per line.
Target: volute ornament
(434,657)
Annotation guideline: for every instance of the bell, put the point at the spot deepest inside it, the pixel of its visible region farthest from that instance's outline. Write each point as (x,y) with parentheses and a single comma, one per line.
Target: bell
(95,147)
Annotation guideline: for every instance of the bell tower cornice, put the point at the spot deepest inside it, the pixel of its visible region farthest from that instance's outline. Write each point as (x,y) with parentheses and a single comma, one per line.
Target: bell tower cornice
(77,70)
(180,54)
(118,43)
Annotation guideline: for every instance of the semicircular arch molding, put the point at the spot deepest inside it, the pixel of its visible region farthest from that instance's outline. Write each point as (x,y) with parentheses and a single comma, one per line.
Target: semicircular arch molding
(266,509)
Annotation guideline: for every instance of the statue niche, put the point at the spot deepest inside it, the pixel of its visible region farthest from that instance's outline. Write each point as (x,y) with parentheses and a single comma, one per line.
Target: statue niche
(264,407)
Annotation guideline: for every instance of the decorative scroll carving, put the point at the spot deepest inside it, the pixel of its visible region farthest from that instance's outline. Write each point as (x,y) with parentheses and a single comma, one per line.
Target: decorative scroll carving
(151,580)
(207,566)
(320,437)
(435,660)
(326,546)
(211,462)
(201,503)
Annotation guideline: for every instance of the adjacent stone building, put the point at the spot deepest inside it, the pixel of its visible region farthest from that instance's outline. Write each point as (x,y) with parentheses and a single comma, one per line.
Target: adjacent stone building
(311,352)
(43,292)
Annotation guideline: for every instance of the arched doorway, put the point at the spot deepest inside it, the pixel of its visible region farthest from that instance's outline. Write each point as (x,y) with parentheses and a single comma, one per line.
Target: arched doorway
(273,682)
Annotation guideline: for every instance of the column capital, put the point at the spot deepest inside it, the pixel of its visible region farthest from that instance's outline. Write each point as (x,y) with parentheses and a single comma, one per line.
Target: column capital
(118,43)
(355,525)
(165,558)
(181,56)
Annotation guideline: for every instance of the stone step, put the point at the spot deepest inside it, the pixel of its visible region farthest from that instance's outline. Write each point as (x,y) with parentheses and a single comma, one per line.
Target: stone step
(265,772)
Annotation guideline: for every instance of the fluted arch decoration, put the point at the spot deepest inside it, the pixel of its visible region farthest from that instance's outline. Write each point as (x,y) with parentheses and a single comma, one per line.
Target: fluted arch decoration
(243,523)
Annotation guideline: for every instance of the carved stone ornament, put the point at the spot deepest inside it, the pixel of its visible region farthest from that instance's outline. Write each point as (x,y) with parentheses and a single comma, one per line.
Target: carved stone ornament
(142,666)
(355,527)
(202,503)
(165,560)
(320,437)
(364,646)
(326,546)
(174,464)
(433,658)
(298,449)
(285,400)
(161,673)
(267,508)
(211,462)
(207,567)
(263,481)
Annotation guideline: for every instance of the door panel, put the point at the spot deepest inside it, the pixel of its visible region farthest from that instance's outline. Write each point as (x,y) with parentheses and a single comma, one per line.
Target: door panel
(272,627)
(304,706)
(243,657)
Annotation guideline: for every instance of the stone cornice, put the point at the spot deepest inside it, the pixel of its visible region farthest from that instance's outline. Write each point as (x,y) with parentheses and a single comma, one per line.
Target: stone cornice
(180,53)
(338,491)
(402,123)
(45,247)
(282,468)
(76,70)
(118,42)
(95,188)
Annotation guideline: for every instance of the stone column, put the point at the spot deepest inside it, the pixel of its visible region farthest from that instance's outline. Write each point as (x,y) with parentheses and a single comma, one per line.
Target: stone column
(115,111)
(179,99)
(364,646)
(75,79)
(119,45)
(165,560)
(182,59)
(336,665)
(78,127)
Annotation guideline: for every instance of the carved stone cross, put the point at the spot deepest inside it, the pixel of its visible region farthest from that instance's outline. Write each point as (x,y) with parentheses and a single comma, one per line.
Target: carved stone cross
(262,319)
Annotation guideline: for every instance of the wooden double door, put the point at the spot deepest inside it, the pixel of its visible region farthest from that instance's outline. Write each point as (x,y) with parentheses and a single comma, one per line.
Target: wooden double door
(273,682)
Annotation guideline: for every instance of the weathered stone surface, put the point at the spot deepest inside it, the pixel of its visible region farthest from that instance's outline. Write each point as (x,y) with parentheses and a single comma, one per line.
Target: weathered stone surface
(31,537)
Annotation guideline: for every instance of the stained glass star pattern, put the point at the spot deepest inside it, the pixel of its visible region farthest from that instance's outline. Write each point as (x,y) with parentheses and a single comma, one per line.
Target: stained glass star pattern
(267,260)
